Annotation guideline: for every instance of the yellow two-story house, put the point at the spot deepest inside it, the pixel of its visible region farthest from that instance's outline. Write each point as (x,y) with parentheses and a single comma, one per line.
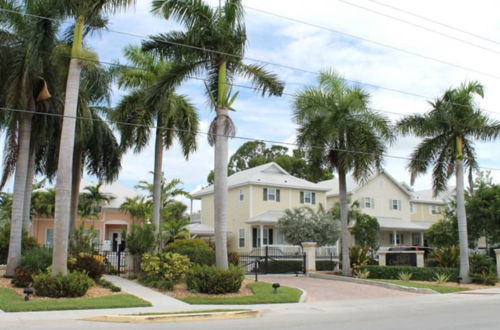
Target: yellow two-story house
(257,198)
(403,215)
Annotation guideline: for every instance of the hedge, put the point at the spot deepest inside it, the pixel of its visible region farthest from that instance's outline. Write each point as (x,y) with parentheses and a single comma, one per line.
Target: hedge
(281,266)
(212,280)
(418,273)
(325,265)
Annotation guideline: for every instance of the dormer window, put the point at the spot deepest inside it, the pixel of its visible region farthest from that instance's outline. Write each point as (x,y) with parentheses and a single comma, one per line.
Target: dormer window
(307,197)
(271,194)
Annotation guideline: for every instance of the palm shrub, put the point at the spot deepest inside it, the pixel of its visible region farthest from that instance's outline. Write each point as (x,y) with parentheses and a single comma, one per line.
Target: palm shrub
(33,261)
(442,278)
(211,280)
(141,239)
(82,240)
(28,243)
(87,263)
(447,256)
(483,269)
(405,276)
(197,250)
(359,257)
(73,284)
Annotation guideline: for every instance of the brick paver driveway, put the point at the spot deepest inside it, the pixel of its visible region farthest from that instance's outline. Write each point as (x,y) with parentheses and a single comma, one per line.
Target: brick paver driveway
(324,290)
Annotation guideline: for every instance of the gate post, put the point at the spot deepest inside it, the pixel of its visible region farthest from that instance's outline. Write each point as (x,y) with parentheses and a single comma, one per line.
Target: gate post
(266,260)
(497,253)
(119,252)
(310,253)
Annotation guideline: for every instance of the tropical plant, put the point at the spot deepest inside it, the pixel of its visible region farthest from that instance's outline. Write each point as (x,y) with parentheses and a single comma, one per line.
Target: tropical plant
(447,257)
(304,224)
(363,274)
(82,240)
(197,250)
(168,190)
(443,233)
(25,68)
(337,129)
(365,230)
(359,257)
(405,276)
(449,131)
(216,39)
(152,102)
(86,13)
(92,200)
(44,202)
(442,278)
(138,207)
(168,266)
(5,208)
(141,239)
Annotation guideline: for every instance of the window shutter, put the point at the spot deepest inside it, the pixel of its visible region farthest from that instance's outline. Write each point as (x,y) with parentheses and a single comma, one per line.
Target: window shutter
(277,195)
(390,204)
(301,197)
(313,198)
(373,203)
(265,194)
(270,239)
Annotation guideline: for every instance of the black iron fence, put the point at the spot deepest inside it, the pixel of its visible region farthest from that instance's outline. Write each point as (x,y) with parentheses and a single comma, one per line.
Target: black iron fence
(268,260)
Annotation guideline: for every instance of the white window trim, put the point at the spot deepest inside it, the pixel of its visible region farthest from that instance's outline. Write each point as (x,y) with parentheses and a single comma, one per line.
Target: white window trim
(242,195)
(413,208)
(431,210)
(398,202)
(274,194)
(240,238)
(45,238)
(364,203)
(307,195)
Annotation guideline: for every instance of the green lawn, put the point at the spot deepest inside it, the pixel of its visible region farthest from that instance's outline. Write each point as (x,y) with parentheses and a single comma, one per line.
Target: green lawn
(263,294)
(432,286)
(11,302)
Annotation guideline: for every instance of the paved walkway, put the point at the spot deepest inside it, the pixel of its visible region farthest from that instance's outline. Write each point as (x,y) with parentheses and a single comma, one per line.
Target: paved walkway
(156,298)
(329,290)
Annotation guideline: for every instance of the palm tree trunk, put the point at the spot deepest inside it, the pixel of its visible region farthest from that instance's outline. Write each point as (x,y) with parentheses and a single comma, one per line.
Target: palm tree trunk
(75,185)
(157,176)
(220,190)
(28,192)
(64,167)
(15,241)
(462,222)
(344,214)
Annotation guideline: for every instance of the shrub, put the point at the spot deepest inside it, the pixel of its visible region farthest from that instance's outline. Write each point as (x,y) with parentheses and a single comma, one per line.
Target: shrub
(405,276)
(167,266)
(359,258)
(282,266)
(92,265)
(210,279)
(418,274)
(363,274)
(140,240)
(28,242)
(482,269)
(74,284)
(108,285)
(447,256)
(233,258)
(442,278)
(157,283)
(81,240)
(325,265)
(197,250)
(34,261)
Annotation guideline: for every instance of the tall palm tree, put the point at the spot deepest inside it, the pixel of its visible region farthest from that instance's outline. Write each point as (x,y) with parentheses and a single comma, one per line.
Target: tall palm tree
(448,132)
(215,41)
(25,48)
(168,190)
(92,200)
(138,207)
(150,102)
(83,11)
(337,129)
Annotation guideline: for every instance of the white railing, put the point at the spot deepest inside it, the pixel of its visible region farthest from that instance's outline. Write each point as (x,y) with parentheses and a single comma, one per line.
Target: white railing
(284,249)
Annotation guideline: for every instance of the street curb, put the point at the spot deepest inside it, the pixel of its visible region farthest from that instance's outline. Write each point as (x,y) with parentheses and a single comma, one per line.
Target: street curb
(187,317)
(373,283)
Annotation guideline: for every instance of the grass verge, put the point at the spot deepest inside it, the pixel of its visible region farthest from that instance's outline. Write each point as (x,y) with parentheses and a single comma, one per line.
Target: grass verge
(263,294)
(436,287)
(11,302)
(192,312)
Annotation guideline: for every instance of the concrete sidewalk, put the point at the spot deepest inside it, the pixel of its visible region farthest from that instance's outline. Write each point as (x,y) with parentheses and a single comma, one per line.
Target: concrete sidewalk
(156,298)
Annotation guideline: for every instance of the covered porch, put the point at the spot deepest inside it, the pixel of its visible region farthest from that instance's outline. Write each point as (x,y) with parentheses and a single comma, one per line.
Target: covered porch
(396,232)
(264,231)
(113,239)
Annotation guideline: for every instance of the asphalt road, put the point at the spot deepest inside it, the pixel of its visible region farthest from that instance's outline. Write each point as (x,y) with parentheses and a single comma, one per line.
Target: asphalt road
(418,312)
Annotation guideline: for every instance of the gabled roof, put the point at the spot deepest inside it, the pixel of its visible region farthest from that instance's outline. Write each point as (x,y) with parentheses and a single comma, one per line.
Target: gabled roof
(118,191)
(353,185)
(427,196)
(270,174)
(269,217)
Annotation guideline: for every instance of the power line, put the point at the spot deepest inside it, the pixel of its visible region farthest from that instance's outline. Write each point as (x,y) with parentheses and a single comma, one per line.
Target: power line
(402,50)
(245,138)
(436,22)
(394,90)
(420,26)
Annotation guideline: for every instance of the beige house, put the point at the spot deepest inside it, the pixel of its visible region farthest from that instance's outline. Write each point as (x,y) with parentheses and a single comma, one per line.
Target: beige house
(258,197)
(110,221)
(403,215)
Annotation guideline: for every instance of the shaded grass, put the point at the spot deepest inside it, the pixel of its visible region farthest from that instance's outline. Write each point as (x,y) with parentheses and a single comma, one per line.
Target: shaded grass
(11,302)
(263,294)
(436,287)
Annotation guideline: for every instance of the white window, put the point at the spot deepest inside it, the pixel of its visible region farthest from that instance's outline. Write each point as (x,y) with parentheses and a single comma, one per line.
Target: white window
(416,239)
(241,241)
(413,208)
(307,197)
(395,204)
(242,195)
(398,240)
(271,194)
(367,203)
(49,236)
(434,210)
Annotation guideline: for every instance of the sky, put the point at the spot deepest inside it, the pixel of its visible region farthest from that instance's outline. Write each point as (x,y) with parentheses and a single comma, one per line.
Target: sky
(302,50)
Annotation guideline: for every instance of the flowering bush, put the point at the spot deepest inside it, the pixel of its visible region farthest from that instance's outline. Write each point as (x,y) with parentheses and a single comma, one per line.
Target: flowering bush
(168,266)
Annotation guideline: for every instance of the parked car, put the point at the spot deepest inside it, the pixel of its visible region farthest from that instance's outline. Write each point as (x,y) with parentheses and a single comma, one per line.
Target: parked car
(427,250)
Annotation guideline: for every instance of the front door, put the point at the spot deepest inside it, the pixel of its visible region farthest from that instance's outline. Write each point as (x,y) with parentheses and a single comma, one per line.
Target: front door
(267,239)
(115,236)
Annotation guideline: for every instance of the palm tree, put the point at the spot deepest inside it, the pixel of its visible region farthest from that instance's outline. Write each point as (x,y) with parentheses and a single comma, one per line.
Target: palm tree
(138,207)
(84,12)
(449,131)
(44,202)
(151,102)
(168,190)
(337,129)
(25,46)
(216,40)
(92,200)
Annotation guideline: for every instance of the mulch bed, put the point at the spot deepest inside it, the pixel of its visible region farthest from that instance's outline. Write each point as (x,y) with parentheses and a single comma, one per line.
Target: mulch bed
(180,291)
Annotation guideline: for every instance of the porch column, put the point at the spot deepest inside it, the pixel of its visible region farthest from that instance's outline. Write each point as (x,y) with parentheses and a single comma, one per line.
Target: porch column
(261,228)
(394,235)
(310,251)
(422,238)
